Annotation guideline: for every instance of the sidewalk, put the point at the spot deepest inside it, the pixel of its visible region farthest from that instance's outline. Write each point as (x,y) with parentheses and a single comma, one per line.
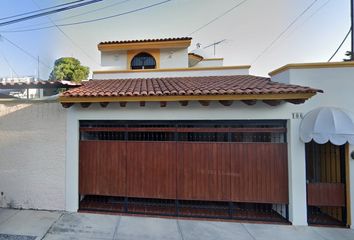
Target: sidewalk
(33,225)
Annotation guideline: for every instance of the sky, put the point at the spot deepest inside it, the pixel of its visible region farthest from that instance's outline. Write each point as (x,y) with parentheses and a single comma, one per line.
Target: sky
(248,31)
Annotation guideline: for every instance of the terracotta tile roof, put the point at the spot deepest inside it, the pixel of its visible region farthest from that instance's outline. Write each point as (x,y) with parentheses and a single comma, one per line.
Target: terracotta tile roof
(185,86)
(147,40)
(38,84)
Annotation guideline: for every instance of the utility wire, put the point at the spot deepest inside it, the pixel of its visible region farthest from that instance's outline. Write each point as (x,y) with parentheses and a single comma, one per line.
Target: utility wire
(8,63)
(94,20)
(36,11)
(218,17)
(68,37)
(311,16)
(284,31)
(24,51)
(340,45)
(70,17)
(48,12)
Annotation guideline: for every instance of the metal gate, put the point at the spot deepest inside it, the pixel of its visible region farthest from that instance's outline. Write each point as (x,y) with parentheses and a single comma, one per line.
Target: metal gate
(326,184)
(226,165)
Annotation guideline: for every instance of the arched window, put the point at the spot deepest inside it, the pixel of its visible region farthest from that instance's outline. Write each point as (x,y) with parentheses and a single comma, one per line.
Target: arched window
(143,61)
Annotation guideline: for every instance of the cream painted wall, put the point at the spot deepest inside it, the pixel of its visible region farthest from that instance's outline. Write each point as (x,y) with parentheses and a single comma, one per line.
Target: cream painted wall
(32,155)
(190,73)
(169,58)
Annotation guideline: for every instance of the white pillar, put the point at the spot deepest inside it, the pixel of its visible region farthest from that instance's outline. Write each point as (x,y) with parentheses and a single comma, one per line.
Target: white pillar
(297,175)
(72,162)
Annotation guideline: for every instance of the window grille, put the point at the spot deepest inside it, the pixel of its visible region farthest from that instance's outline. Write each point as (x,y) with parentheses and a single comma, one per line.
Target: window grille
(143,61)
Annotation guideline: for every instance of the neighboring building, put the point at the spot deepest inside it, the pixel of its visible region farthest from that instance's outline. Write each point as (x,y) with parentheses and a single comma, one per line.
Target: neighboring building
(160,130)
(22,93)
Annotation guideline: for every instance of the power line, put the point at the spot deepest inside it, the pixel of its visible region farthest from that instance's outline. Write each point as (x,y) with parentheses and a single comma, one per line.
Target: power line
(311,16)
(94,20)
(48,12)
(27,13)
(218,17)
(8,63)
(24,51)
(68,37)
(284,31)
(70,17)
(340,45)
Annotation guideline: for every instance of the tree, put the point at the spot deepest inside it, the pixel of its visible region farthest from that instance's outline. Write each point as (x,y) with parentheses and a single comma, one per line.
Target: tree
(70,69)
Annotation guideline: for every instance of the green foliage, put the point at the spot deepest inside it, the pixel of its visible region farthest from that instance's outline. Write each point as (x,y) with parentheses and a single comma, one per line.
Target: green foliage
(69,69)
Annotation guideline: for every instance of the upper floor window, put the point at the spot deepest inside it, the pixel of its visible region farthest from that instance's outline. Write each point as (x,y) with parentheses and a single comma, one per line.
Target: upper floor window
(143,61)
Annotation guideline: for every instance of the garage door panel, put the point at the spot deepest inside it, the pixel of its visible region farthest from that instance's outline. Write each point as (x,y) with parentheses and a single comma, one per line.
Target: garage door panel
(151,169)
(169,161)
(203,171)
(102,168)
(259,172)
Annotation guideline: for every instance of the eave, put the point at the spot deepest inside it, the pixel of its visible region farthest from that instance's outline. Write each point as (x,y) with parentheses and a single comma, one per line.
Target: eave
(249,99)
(144,45)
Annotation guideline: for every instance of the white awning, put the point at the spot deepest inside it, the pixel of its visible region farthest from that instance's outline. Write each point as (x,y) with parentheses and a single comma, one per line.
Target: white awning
(327,124)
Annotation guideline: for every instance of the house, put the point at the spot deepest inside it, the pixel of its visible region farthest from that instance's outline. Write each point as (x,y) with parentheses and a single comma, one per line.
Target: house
(163,131)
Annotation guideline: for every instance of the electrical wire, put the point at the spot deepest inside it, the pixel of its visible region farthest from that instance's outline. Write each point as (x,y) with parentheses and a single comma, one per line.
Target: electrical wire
(69,38)
(93,20)
(27,13)
(70,17)
(48,12)
(340,45)
(311,16)
(218,17)
(24,51)
(284,31)
(8,63)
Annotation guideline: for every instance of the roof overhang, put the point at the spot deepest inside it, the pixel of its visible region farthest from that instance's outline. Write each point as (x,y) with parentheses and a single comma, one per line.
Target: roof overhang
(327,124)
(193,59)
(227,100)
(116,46)
(224,89)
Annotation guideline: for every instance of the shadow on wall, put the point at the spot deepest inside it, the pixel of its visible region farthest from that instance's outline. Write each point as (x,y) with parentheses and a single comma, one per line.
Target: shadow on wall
(32,159)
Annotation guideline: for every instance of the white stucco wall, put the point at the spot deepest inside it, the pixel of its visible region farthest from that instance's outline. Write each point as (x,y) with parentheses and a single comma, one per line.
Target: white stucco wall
(32,155)
(338,86)
(174,58)
(210,63)
(172,73)
(194,111)
(336,82)
(116,60)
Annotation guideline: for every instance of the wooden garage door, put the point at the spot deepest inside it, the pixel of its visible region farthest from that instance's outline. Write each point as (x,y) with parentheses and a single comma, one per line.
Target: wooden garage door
(102,169)
(151,169)
(210,161)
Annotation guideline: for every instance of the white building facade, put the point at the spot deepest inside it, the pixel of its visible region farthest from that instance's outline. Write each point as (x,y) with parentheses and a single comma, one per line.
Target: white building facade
(166,90)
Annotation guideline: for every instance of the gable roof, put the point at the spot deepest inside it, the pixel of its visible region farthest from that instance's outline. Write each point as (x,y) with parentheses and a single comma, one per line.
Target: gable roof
(238,87)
